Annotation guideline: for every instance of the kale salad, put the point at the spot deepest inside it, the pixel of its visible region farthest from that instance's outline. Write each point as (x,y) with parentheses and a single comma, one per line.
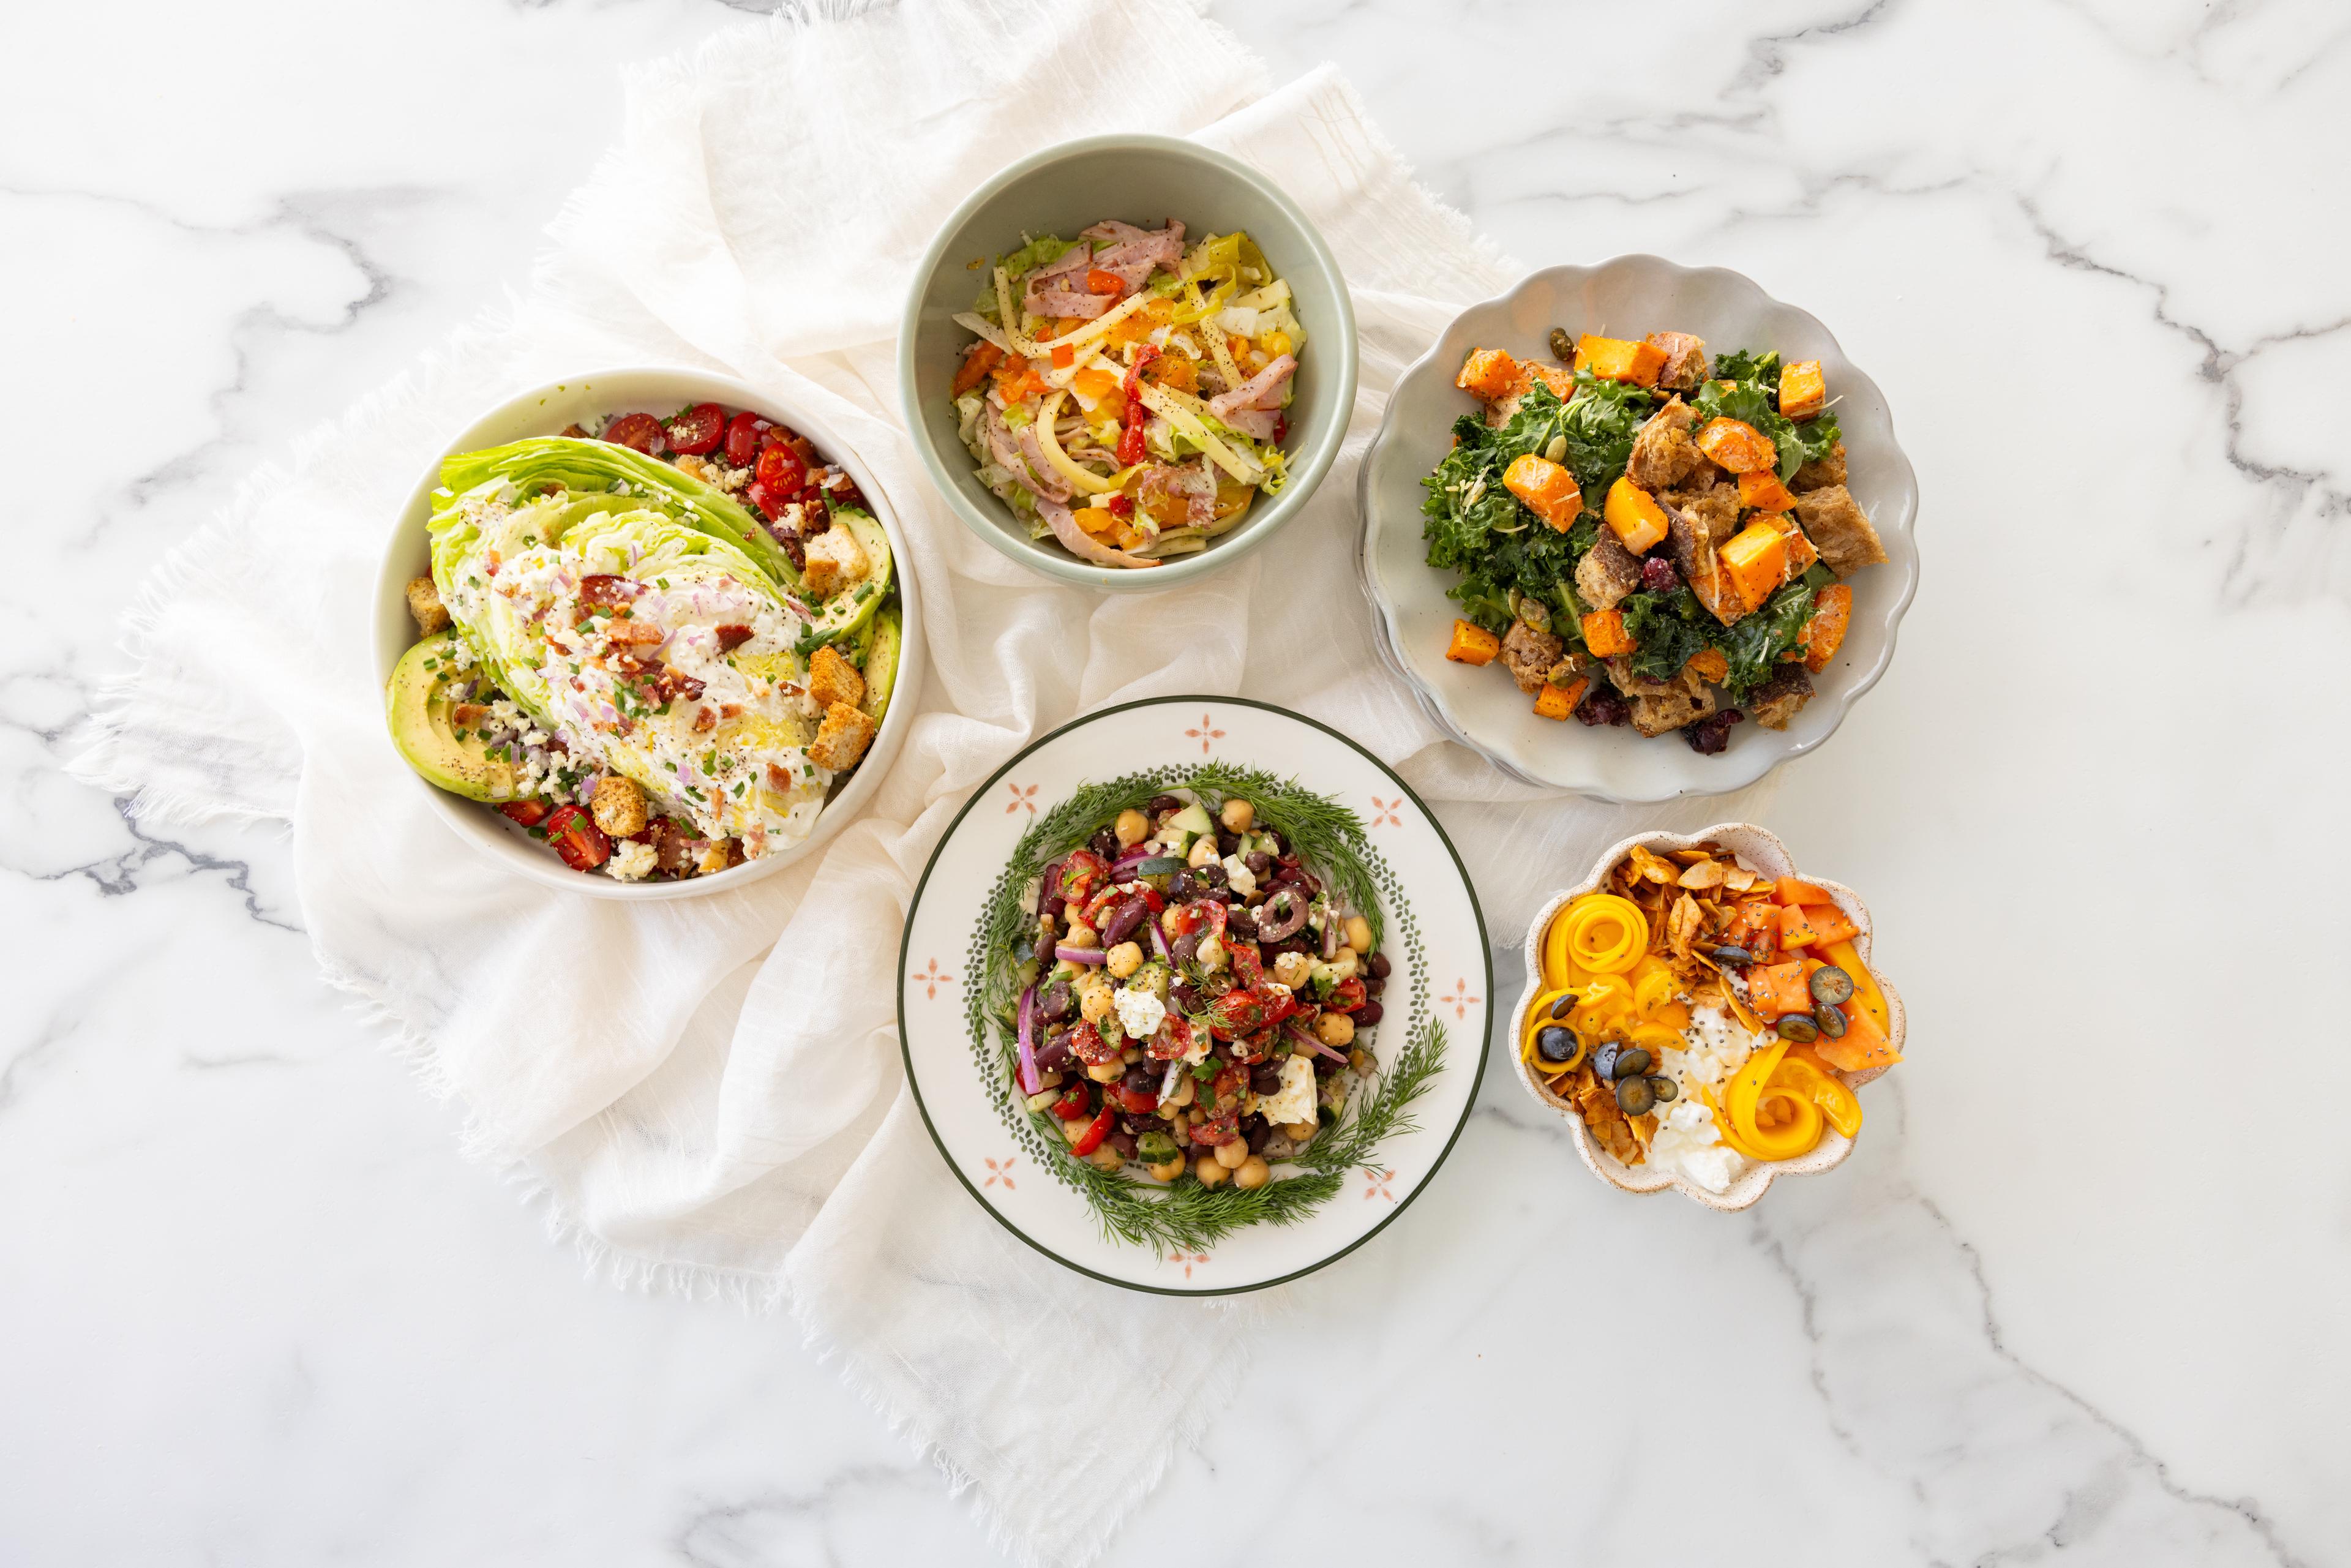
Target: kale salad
(1646,537)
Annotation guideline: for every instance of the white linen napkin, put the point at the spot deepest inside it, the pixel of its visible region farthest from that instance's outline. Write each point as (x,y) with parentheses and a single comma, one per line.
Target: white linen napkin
(706,1093)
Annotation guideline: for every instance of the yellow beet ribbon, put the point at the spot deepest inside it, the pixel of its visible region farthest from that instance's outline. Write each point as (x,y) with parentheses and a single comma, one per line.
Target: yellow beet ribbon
(1605,934)
(1803,1098)
(1537,1017)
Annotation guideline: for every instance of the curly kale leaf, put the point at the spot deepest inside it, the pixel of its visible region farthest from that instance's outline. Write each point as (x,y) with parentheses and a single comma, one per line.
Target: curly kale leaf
(1667,630)
(1754,645)
(1753,398)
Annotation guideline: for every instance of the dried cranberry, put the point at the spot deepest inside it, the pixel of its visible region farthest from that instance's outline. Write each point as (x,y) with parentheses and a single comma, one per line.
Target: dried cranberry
(1710,736)
(1658,576)
(1602,704)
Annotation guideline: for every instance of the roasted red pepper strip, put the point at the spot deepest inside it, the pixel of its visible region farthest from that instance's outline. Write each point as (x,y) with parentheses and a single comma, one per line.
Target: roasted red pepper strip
(1073,1102)
(1090,1139)
(1130,440)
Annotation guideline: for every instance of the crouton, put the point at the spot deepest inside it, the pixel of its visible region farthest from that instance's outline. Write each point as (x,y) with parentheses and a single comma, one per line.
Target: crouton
(1685,365)
(716,859)
(1822,472)
(1607,572)
(619,806)
(1839,529)
(1487,374)
(1659,707)
(841,741)
(1530,654)
(1663,454)
(1697,523)
(1778,699)
(835,561)
(424,603)
(834,679)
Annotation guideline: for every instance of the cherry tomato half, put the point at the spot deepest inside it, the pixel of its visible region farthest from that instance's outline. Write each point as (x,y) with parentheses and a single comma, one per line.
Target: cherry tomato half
(743,433)
(577,839)
(641,432)
(781,468)
(698,431)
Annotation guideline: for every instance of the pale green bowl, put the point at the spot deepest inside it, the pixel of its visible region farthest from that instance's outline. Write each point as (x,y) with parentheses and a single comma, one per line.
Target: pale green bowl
(1145,180)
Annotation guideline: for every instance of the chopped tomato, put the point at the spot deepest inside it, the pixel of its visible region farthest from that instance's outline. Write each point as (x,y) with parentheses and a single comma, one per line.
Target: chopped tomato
(1347,996)
(1245,1011)
(1248,968)
(1215,1130)
(1091,1047)
(1206,917)
(1081,875)
(639,432)
(1120,505)
(1134,1102)
(698,431)
(577,839)
(1092,1138)
(1074,1103)
(529,813)
(1174,1038)
(743,433)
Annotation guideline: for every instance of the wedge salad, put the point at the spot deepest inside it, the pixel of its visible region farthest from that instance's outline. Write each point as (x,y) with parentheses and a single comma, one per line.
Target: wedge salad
(1125,395)
(656,651)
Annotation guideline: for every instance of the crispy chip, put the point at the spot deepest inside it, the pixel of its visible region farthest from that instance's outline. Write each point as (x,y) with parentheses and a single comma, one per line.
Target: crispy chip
(1703,875)
(1689,857)
(1648,867)
(1737,878)
(1683,926)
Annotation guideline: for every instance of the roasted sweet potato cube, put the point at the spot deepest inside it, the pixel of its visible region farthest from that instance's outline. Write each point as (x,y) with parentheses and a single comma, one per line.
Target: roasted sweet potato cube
(1804,391)
(1709,664)
(1736,445)
(1472,644)
(1548,489)
(1620,360)
(1487,374)
(1801,553)
(1824,633)
(1634,516)
(1604,633)
(1760,489)
(1559,702)
(1757,562)
(1559,377)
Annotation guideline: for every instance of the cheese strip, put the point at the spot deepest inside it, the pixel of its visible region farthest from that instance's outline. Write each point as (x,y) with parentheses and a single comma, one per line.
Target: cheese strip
(1156,400)
(1057,460)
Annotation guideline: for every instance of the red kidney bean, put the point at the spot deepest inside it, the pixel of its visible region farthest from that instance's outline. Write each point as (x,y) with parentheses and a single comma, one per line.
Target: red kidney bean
(1106,844)
(1368,1014)
(1266,1079)
(1123,1142)
(1055,1053)
(1380,966)
(1164,803)
(1059,1002)
(1257,1132)
(1373,987)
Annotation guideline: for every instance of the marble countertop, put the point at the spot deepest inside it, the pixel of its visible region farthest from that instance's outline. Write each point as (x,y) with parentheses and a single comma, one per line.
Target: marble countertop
(2080,1296)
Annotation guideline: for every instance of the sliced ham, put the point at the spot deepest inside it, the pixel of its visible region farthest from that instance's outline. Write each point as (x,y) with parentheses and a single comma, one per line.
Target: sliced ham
(1057,303)
(1059,287)
(1021,455)
(1257,423)
(1262,389)
(1134,252)
(1194,482)
(1082,544)
(1043,478)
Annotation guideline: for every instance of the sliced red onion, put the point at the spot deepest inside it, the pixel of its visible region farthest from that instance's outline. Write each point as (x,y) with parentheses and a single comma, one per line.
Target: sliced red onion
(1134,854)
(1311,1043)
(1032,1082)
(1158,940)
(1330,934)
(1078,955)
(1176,1070)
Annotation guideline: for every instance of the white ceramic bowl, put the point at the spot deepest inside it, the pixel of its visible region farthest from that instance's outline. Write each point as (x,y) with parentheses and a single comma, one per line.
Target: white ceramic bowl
(1760,852)
(545,410)
(1480,707)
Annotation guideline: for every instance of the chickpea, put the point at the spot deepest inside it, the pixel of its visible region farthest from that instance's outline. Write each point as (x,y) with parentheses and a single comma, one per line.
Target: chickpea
(1210,1173)
(1359,933)
(1204,852)
(1301,1133)
(1170,1171)
(1132,826)
(1096,998)
(1107,1159)
(1238,816)
(1080,935)
(1291,970)
(1232,1153)
(1108,1073)
(1360,1060)
(1185,1089)
(1253,1172)
(1123,960)
(1334,1029)
(1211,954)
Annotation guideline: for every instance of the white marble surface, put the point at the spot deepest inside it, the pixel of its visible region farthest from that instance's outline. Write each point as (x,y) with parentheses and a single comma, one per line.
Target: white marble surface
(2079,1297)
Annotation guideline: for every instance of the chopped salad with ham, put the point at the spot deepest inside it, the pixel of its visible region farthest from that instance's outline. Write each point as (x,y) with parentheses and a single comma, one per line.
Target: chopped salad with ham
(1125,394)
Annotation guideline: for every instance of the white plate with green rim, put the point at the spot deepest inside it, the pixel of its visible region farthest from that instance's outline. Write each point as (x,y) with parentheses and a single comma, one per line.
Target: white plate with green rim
(955,996)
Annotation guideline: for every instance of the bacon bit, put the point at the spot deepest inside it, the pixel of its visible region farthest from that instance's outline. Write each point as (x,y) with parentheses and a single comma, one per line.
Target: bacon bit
(731,637)
(607,591)
(779,779)
(704,721)
(467,714)
(730,710)
(574,431)
(634,633)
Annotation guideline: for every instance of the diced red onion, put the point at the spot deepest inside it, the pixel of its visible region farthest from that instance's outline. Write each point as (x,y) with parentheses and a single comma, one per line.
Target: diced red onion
(1078,955)
(1032,1082)
(1134,854)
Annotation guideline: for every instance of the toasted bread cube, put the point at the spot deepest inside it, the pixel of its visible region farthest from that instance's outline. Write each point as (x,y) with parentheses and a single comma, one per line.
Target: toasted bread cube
(1685,354)
(1804,391)
(619,806)
(1559,702)
(1772,704)
(1620,360)
(1757,561)
(1736,445)
(424,603)
(1840,530)
(835,561)
(1549,490)
(834,679)
(1487,374)
(1634,516)
(1472,644)
(841,741)
(1760,488)
(1607,572)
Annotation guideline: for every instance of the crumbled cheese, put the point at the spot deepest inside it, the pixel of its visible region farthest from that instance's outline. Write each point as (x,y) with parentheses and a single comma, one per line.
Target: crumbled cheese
(1238,874)
(1294,1101)
(1139,1013)
(1687,1139)
(630,862)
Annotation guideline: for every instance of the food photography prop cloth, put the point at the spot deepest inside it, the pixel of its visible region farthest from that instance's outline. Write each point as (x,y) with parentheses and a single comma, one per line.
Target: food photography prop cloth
(706,1095)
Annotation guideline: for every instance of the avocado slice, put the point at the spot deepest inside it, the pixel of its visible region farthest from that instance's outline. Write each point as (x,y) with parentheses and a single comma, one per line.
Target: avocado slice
(418,707)
(846,612)
(882,663)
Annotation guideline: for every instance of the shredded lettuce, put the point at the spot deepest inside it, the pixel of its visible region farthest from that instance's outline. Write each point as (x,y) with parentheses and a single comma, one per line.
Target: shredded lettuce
(1035,253)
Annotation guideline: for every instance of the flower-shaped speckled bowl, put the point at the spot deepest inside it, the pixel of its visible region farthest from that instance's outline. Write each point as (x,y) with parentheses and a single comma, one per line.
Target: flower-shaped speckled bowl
(1763,854)
(1631,295)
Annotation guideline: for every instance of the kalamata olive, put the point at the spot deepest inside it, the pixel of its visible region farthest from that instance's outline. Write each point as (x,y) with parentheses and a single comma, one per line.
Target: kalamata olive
(1184,888)
(1055,1053)
(1164,803)
(1367,1015)
(1227,841)
(1633,1096)
(1555,1043)
(1185,948)
(1832,1021)
(1213,875)
(1123,1142)
(1324,1066)
(1058,1001)
(1258,862)
(1123,922)
(1632,1063)
(1105,844)
(1051,905)
(1379,965)
(1242,923)
(1374,986)
(1731,955)
(1257,1132)
(1307,880)
(1143,1078)
(1604,1057)
(1266,1079)
(1563,347)
(1798,1027)
(1282,915)
(1831,985)
(1187,999)
(1663,1087)
(1564,1006)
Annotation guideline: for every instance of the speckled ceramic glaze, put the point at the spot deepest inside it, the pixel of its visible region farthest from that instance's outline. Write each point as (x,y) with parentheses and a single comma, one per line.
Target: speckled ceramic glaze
(1762,853)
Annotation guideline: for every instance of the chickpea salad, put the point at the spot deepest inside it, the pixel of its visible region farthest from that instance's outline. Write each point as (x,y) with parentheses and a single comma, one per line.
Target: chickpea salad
(656,651)
(1646,537)
(1125,395)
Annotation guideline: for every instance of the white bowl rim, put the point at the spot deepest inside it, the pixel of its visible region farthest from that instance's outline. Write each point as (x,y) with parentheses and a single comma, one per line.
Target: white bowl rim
(1760,762)
(1834,1147)
(1253,532)
(469,820)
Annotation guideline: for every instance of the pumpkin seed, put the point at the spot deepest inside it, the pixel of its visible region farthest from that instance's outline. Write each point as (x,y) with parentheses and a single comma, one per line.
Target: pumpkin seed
(1563,347)
(1799,1027)
(1731,955)
(1831,985)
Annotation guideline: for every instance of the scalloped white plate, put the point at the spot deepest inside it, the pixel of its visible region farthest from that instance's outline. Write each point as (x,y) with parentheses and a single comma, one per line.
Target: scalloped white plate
(1436,941)
(1480,707)
(1760,849)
